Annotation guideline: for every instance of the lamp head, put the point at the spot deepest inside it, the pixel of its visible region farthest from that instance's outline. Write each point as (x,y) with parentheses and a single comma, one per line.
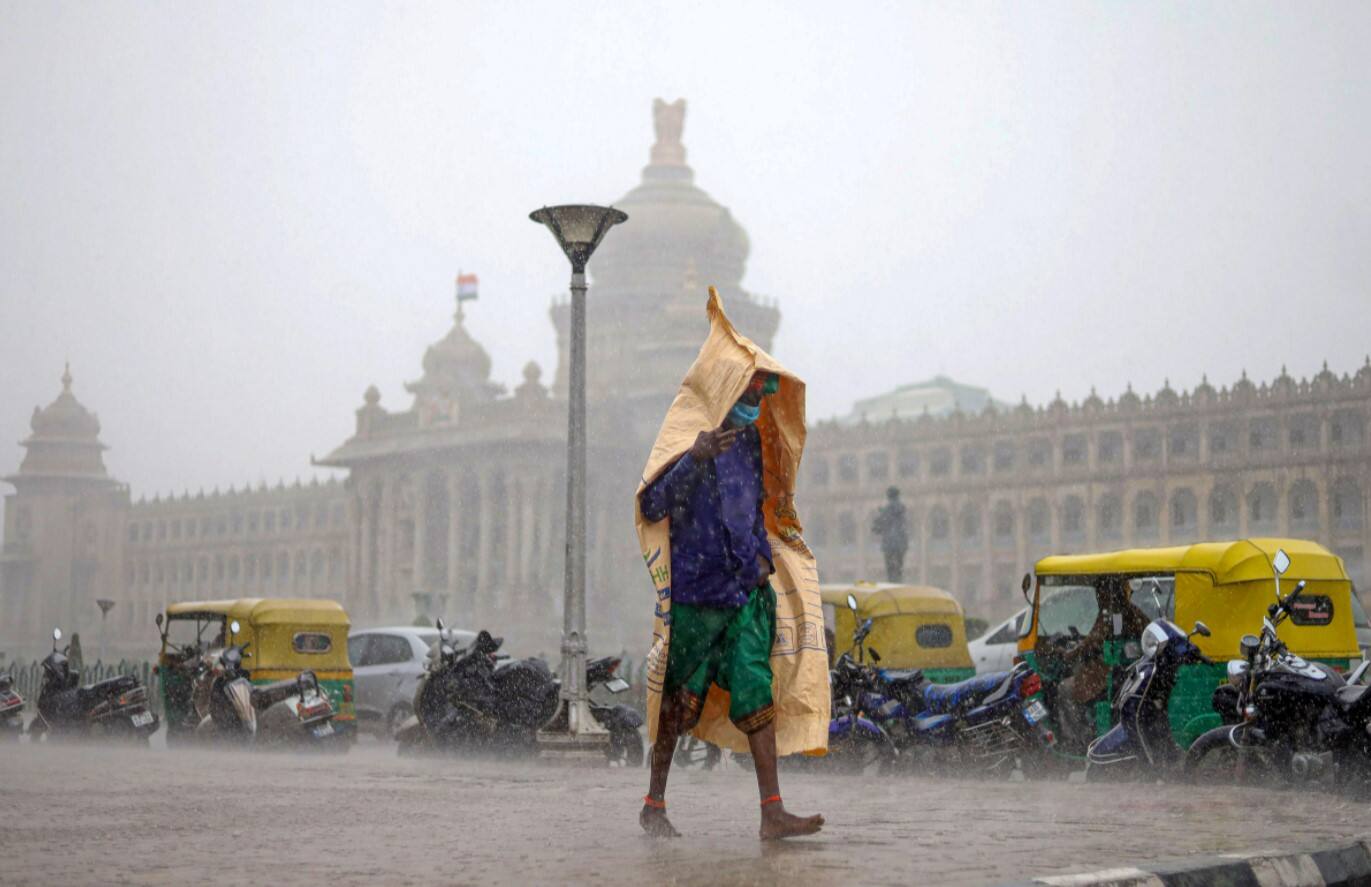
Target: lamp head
(578,228)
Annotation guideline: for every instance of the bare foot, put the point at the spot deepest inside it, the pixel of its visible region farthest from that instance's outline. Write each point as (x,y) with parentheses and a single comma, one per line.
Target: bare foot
(777,824)
(655,823)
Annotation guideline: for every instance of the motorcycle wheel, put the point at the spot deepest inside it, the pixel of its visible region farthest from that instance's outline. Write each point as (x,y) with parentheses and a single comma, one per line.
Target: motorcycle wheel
(1227,765)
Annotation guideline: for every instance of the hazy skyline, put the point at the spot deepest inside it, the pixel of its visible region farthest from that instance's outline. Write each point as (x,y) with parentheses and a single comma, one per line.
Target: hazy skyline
(231,219)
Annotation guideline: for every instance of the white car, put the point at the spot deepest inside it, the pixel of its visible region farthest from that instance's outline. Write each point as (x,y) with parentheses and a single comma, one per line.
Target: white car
(386,666)
(994,650)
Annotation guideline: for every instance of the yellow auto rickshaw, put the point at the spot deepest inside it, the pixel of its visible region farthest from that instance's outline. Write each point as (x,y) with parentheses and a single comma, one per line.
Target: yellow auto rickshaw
(1226,585)
(913,626)
(283,636)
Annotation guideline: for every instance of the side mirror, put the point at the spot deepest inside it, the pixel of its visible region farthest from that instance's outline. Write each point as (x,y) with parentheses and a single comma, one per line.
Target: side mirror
(1202,629)
(158,620)
(57,634)
(439,624)
(875,657)
(852,602)
(1026,584)
(1281,562)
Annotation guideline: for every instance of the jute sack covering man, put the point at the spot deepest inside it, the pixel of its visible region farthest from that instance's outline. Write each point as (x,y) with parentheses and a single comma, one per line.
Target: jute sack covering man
(738,654)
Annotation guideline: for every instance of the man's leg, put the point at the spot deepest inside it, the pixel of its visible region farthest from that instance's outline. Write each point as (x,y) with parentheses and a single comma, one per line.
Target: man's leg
(776,822)
(670,725)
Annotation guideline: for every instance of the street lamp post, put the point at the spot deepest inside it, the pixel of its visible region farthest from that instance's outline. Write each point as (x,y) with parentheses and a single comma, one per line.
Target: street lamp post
(573,731)
(105,605)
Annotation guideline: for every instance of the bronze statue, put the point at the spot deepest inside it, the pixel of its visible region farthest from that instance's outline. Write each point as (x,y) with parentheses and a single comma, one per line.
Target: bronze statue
(889,525)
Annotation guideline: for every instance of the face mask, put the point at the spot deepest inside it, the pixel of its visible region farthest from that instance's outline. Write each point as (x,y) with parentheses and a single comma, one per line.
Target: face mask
(743,415)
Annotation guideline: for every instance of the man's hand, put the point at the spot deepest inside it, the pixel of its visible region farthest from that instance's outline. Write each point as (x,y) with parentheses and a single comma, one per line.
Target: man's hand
(711,443)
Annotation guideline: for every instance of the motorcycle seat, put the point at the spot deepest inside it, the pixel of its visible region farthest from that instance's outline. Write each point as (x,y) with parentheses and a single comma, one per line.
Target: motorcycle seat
(264,696)
(108,688)
(941,698)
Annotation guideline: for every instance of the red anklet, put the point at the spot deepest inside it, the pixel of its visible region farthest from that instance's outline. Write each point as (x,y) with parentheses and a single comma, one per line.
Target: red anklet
(774,799)
(654,804)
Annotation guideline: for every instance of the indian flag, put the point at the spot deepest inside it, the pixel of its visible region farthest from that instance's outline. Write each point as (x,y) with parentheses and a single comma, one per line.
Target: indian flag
(466,287)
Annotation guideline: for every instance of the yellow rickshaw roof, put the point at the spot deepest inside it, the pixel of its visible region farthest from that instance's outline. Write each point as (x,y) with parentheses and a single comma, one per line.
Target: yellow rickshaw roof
(267,611)
(197,608)
(275,611)
(1243,560)
(887,599)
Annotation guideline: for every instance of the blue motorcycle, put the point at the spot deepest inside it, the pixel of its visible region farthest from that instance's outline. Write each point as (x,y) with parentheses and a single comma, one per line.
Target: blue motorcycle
(983,723)
(1141,743)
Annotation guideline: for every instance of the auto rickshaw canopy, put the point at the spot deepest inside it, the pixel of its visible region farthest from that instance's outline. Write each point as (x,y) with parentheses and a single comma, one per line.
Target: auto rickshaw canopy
(1229,585)
(913,626)
(283,635)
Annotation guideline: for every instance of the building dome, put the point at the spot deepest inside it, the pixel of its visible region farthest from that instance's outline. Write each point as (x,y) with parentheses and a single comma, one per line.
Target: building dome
(456,371)
(674,225)
(65,442)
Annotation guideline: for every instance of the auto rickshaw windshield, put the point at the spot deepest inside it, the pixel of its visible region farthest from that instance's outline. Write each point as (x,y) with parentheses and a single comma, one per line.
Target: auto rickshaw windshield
(1073,602)
(183,631)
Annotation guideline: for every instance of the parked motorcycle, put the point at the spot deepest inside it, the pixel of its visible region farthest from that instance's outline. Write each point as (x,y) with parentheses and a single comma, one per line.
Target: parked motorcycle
(1141,743)
(985,722)
(477,699)
(1286,719)
(293,710)
(11,708)
(115,707)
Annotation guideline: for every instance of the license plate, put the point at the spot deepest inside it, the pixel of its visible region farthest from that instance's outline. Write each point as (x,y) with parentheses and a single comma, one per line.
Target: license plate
(142,719)
(324,729)
(1034,711)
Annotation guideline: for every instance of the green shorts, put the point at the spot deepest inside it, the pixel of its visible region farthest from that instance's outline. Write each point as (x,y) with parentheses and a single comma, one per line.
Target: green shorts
(727,646)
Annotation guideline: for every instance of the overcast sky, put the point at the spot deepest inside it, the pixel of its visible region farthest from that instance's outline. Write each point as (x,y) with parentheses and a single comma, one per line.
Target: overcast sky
(233,218)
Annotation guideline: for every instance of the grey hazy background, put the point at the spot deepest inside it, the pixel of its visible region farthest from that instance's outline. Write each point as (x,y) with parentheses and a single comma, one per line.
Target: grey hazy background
(232,218)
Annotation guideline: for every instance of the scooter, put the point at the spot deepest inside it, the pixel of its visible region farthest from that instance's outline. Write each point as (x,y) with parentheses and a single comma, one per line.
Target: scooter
(115,707)
(1286,718)
(11,708)
(1141,743)
(291,710)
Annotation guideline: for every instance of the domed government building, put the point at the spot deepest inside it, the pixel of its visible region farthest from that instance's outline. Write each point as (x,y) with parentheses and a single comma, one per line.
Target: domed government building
(453,504)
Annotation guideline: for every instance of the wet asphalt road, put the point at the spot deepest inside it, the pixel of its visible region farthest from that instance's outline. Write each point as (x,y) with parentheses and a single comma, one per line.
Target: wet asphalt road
(89,814)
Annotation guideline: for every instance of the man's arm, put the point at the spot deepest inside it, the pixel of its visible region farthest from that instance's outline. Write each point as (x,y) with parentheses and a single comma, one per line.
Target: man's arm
(672,486)
(675,484)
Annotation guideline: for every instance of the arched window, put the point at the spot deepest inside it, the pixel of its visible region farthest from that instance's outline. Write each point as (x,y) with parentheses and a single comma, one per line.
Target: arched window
(1184,513)
(316,565)
(1304,506)
(233,567)
(1347,429)
(847,529)
(1109,517)
(250,567)
(1039,521)
(817,531)
(877,466)
(1223,510)
(282,567)
(1261,507)
(1349,507)
(818,471)
(1145,515)
(939,526)
(1073,518)
(970,520)
(1003,523)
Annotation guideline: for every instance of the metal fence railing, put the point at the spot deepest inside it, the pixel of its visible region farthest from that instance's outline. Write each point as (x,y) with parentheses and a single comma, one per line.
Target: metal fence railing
(28,678)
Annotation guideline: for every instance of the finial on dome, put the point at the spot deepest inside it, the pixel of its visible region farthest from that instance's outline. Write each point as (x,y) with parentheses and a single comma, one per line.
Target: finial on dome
(668,120)
(66,376)
(372,396)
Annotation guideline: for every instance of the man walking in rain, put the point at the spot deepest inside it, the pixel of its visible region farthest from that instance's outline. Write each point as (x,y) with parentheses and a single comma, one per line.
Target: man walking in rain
(720,603)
